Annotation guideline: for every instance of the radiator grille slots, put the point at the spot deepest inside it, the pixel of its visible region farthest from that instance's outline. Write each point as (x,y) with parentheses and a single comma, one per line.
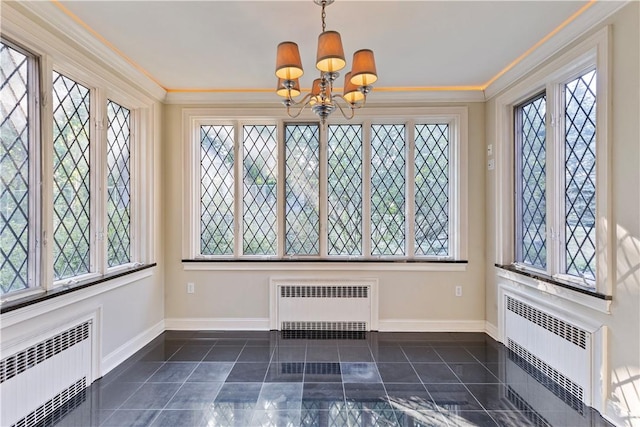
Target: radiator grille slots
(550,372)
(28,358)
(324,291)
(536,419)
(39,415)
(550,323)
(325,326)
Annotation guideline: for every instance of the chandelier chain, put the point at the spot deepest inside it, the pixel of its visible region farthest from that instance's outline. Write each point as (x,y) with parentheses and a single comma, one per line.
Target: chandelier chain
(324,16)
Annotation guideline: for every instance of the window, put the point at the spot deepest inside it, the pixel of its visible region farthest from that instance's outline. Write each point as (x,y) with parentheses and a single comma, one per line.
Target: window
(72,186)
(18,169)
(260,165)
(88,204)
(432,190)
(344,189)
(118,185)
(372,190)
(556,188)
(302,194)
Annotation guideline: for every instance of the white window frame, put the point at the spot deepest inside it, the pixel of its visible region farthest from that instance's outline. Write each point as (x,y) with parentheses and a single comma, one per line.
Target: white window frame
(52,54)
(592,53)
(455,117)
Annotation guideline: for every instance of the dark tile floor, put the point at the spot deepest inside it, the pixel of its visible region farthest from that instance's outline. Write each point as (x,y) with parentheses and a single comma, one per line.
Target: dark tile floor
(213,378)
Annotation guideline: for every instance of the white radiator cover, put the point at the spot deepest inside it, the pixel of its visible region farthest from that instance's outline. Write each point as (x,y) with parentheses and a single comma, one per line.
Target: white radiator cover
(344,305)
(40,378)
(557,348)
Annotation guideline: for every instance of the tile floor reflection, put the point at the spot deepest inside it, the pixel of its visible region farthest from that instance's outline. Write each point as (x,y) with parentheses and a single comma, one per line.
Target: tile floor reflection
(247,379)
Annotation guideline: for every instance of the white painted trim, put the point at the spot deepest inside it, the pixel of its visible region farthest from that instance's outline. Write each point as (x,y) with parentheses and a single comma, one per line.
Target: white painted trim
(492,330)
(321,266)
(418,325)
(217,323)
(581,25)
(21,20)
(550,292)
(38,309)
(377,98)
(129,348)
(593,51)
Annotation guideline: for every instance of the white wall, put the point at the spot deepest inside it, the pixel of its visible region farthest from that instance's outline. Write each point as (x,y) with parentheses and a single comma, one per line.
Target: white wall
(128,311)
(623,365)
(421,300)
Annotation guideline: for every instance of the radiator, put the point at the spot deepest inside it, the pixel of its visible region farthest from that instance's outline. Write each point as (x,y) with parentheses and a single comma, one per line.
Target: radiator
(39,380)
(551,346)
(323,306)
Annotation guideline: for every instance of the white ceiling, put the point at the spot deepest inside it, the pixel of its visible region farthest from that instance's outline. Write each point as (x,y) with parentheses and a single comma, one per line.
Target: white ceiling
(232,44)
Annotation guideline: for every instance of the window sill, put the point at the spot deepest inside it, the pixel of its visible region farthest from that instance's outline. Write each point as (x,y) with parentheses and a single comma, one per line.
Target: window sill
(301,264)
(8,306)
(591,299)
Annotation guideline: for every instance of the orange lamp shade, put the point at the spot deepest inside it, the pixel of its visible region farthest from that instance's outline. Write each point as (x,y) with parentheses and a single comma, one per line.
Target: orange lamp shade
(288,63)
(315,92)
(350,91)
(330,55)
(363,72)
(283,91)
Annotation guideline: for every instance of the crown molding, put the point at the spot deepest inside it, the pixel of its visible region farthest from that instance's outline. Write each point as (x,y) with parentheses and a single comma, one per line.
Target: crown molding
(583,23)
(229,98)
(42,22)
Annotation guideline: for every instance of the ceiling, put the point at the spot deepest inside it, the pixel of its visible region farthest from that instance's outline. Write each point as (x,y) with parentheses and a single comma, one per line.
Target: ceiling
(231,45)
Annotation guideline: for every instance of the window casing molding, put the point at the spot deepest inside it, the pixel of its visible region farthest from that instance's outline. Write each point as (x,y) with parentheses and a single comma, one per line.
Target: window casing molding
(592,53)
(52,54)
(455,117)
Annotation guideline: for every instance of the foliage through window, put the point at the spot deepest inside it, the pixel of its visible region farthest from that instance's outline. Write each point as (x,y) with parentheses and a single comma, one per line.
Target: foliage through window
(217,181)
(16,163)
(350,191)
(571,194)
(71,191)
(118,184)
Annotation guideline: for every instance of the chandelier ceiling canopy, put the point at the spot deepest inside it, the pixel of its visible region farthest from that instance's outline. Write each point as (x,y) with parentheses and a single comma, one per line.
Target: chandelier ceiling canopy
(330,60)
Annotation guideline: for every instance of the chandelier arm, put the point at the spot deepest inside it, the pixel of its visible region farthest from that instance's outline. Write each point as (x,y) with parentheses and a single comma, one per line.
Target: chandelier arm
(303,103)
(351,107)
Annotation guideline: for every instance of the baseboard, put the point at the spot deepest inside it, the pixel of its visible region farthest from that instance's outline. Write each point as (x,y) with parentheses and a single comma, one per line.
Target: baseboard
(410,325)
(491,330)
(129,348)
(217,323)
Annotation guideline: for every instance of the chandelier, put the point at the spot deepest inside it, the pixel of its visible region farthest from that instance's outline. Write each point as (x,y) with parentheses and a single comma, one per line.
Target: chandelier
(329,60)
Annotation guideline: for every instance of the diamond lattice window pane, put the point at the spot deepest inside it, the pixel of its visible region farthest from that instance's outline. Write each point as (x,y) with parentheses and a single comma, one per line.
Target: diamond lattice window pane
(302,206)
(388,190)
(260,190)
(71,186)
(216,165)
(432,190)
(14,170)
(345,189)
(531,236)
(580,176)
(118,184)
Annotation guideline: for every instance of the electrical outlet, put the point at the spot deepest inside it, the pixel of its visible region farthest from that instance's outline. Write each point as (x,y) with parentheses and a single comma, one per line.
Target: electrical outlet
(491,164)
(191,288)
(458,291)
(490,150)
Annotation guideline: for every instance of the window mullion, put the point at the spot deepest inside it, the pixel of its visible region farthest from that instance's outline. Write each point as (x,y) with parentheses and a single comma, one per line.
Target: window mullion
(46,123)
(238,191)
(366,189)
(323,192)
(281,188)
(98,182)
(555,181)
(410,223)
